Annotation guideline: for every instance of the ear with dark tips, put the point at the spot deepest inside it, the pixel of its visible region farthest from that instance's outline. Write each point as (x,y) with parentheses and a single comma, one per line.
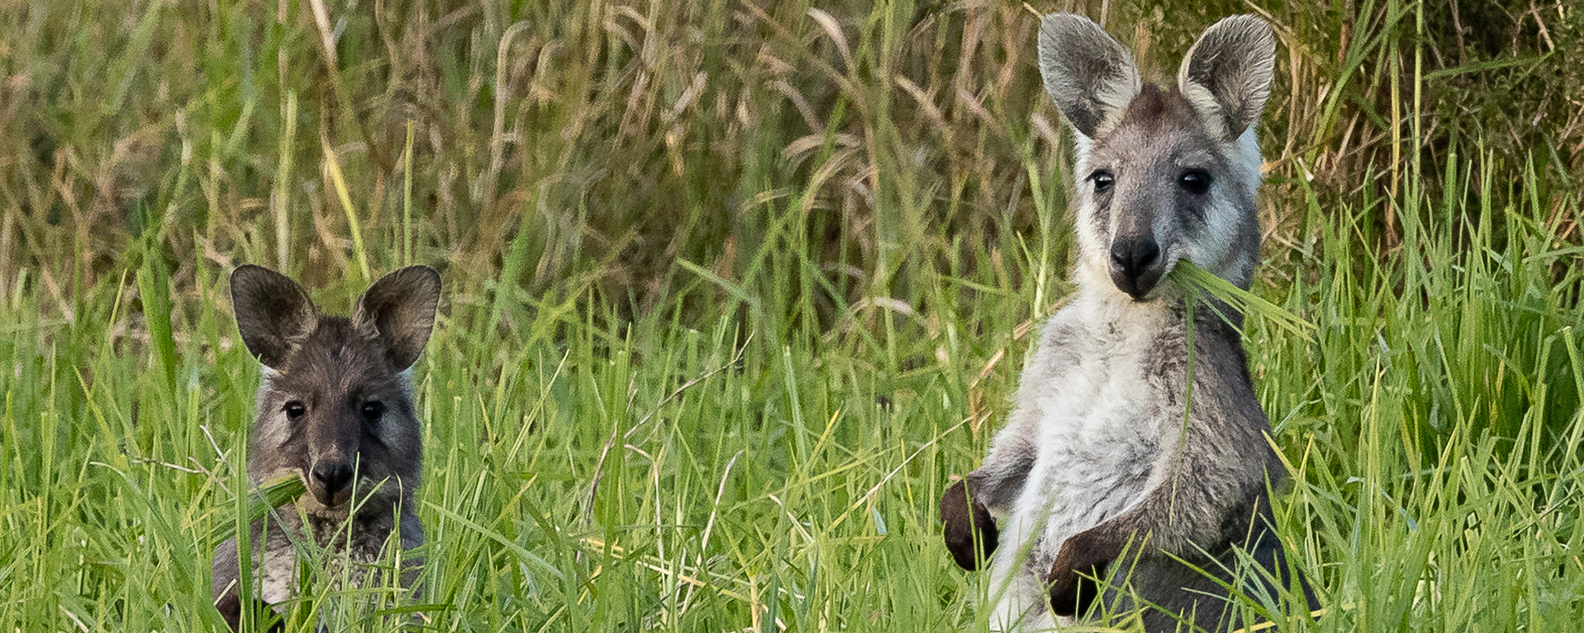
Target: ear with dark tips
(1089,74)
(1227,74)
(400,309)
(273,313)
(970,531)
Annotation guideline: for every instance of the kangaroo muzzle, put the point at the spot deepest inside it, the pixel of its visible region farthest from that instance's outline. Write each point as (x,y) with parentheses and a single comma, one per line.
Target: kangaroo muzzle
(330,481)
(1136,265)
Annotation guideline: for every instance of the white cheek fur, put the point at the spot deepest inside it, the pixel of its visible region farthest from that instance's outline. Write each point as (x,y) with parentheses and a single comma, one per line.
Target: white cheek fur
(1090,264)
(270,428)
(1248,161)
(1224,217)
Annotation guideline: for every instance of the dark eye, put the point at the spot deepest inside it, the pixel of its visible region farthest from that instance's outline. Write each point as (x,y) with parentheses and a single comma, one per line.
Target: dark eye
(372,411)
(1194,181)
(294,410)
(1102,180)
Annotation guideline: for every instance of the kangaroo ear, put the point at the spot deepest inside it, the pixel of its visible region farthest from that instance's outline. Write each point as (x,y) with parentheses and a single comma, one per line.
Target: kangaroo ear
(273,313)
(1087,72)
(400,310)
(1227,73)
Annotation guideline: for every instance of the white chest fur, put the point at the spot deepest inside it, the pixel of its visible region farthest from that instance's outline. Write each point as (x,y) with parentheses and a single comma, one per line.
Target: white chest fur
(347,553)
(1091,399)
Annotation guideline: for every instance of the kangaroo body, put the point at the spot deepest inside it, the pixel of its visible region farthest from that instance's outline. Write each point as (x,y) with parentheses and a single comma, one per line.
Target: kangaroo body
(353,545)
(1099,437)
(335,408)
(1136,450)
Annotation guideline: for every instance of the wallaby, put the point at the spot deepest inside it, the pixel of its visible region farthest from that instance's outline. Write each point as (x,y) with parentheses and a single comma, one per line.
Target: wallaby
(1100,472)
(335,408)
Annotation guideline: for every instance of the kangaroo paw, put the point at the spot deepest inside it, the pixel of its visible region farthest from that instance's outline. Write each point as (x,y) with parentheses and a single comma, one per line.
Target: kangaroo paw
(1073,577)
(967,524)
(230,608)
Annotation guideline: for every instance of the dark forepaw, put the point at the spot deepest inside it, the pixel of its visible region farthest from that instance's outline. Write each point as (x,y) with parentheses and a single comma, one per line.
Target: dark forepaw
(230,608)
(967,524)
(1074,576)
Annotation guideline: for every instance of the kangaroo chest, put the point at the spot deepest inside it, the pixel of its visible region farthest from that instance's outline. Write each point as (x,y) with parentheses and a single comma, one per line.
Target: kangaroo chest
(344,549)
(1098,421)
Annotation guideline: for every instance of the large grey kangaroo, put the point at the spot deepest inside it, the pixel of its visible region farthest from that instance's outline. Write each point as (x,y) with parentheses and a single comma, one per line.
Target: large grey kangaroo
(1099,473)
(336,409)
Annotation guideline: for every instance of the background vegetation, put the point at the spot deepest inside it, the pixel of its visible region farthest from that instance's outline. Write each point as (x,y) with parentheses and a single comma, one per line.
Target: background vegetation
(734,287)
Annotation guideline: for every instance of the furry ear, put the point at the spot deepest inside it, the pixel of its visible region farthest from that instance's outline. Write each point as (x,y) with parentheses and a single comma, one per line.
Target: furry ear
(1227,73)
(400,310)
(1087,72)
(273,313)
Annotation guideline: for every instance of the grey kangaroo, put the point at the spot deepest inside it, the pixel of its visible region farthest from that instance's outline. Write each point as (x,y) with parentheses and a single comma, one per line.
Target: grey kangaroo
(336,409)
(1099,474)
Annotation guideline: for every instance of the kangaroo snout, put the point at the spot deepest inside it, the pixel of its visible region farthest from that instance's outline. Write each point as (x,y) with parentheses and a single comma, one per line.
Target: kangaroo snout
(1135,265)
(331,481)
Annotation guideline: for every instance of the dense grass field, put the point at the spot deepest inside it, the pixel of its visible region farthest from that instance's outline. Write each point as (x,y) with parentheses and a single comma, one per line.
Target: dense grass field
(733,289)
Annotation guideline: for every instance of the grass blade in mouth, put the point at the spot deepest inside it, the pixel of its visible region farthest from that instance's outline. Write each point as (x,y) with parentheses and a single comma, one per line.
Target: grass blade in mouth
(1193,278)
(273,494)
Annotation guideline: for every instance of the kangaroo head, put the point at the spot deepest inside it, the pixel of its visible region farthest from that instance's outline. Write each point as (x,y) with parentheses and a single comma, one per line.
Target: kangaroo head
(1163,173)
(336,403)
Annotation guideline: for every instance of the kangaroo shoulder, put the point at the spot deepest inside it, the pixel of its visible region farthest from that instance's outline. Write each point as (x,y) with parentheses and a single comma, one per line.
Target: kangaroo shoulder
(1062,341)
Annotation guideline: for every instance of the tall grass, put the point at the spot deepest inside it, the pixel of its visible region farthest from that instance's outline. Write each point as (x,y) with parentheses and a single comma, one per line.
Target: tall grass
(733,289)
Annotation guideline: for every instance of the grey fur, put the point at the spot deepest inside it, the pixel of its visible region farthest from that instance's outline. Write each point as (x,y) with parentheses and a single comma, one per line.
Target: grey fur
(1098,471)
(332,370)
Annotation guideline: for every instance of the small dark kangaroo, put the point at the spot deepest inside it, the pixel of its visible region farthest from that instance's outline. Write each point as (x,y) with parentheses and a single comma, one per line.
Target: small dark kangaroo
(335,408)
(1100,473)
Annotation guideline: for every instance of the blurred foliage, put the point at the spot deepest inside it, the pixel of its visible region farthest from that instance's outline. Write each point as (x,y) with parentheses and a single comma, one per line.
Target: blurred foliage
(603,141)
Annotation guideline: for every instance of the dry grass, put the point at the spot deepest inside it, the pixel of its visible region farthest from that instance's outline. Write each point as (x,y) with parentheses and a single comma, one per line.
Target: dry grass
(607,140)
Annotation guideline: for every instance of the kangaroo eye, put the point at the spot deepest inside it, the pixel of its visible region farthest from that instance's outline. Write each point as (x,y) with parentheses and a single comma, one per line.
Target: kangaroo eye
(1195,181)
(372,411)
(1102,180)
(294,410)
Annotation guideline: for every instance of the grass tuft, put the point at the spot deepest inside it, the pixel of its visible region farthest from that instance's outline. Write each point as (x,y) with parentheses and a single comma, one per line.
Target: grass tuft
(733,288)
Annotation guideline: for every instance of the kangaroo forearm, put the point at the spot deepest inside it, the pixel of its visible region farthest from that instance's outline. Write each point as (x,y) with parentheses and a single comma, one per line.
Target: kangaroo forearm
(967,507)
(1182,517)
(969,530)
(998,483)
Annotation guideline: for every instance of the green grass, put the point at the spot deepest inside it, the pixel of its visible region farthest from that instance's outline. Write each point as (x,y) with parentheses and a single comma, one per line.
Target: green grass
(732,292)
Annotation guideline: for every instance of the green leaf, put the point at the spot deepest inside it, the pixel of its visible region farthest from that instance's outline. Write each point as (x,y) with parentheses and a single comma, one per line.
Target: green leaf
(278,492)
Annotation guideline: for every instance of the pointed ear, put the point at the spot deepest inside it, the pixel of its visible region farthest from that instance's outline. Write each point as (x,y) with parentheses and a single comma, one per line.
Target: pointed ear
(1227,73)
(1087,72)
(400,310)
(273,313)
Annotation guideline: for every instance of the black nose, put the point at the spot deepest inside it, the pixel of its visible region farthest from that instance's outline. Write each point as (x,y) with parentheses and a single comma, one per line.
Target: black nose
(1133,255)
(1133,265)
(334,476)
